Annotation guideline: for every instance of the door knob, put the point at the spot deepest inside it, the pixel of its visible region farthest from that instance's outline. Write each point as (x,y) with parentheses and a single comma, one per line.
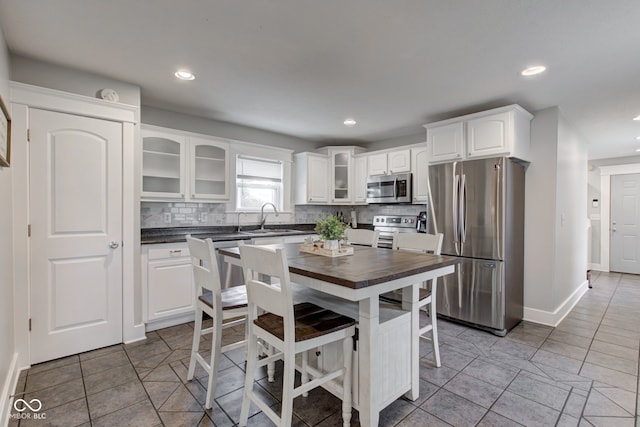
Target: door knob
(113,244)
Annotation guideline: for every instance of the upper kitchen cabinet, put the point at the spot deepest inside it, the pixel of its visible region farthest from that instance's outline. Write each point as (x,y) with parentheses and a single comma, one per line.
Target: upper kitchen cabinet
(182,166)
(209,169)
(328,176)
(360,173)
(445,142)
(163,168)
(388,162)
(311,179)
(420,174)
(498,132)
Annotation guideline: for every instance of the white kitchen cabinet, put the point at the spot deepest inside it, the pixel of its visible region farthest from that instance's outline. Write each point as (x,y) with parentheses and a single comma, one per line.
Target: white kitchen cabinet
(420,174)
(445,142)
(377,163)
(183,166)
(502,131)
(360,173)
(327,176)
(163,167)
(209,169)
(311,179)
(168,281)
(341,176)
(388,162)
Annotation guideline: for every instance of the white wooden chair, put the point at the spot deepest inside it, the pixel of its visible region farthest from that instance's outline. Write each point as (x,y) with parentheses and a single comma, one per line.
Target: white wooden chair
(427,243)
(290,329)
(219,304)
(362,236)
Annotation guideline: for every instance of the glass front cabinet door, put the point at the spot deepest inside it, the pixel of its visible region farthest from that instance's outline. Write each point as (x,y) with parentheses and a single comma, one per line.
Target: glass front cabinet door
(341,163)
(163,166)
(209,174)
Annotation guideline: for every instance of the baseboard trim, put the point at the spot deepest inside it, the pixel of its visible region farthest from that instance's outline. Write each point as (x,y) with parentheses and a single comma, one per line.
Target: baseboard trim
(135,334)
(555,317)
(170,321)
(9,386)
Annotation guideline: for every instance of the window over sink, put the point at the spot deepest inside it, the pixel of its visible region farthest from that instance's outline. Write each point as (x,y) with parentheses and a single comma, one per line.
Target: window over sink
(258,181)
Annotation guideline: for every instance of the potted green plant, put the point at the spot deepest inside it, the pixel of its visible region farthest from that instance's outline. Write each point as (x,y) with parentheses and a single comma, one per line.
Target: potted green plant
(331,231)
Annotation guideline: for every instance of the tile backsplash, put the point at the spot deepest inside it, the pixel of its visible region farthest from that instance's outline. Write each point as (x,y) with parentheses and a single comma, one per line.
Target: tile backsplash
(174,214)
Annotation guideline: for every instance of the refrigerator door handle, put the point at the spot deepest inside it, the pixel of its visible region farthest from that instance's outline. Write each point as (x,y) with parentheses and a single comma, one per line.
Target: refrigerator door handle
(456,191)
(463,209)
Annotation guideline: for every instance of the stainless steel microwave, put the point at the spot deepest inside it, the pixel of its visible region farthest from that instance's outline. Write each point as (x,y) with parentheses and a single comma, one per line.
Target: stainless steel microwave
(394,188)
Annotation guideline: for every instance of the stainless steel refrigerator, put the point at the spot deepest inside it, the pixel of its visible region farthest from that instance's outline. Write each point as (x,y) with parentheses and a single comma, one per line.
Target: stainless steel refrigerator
(479,207)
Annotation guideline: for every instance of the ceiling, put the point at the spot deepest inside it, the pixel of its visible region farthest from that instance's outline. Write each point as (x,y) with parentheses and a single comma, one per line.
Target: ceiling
(300,67)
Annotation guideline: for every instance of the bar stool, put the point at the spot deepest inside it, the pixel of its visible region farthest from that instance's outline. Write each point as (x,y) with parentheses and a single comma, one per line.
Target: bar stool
(290,329)
(362,236)
(220,304)
(426,243)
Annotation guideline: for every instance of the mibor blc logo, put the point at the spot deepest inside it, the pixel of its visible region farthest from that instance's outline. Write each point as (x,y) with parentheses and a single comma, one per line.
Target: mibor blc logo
(34,406)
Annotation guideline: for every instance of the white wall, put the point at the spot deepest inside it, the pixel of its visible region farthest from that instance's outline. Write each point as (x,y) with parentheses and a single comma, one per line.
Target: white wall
(571,214)
(555,219)
(539,229)
(170,119)
(7,346)
(38,73)
(414,138)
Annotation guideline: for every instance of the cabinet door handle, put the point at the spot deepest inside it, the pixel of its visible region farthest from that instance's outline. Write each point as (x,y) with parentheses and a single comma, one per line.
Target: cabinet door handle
(175,251)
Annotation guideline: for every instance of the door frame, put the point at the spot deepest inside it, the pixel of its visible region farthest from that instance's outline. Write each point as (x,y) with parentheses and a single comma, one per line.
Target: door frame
(23,97)
(605,210)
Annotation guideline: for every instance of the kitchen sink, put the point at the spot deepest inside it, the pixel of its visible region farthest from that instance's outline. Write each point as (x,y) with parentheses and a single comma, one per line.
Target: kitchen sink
(268,231)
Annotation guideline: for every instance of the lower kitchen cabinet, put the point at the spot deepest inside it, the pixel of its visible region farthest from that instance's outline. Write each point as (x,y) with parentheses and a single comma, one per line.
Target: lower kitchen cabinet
(168,281)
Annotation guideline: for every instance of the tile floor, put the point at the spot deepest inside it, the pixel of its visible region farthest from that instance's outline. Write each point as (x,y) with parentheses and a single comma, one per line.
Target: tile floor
(583,372)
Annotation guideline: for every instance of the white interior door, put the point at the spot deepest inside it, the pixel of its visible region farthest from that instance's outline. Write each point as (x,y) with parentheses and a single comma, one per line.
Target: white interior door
(76,232)
(625,223)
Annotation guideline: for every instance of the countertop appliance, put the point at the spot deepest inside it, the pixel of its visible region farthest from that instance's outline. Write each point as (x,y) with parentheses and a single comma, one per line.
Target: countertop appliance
(422,225)
(479,207)
(395,188)
(387,225)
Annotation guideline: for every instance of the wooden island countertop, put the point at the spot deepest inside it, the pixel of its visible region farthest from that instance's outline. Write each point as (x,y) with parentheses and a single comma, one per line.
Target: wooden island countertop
(366,267)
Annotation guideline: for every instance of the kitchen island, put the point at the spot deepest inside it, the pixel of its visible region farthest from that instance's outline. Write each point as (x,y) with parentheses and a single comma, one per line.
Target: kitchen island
(387,350)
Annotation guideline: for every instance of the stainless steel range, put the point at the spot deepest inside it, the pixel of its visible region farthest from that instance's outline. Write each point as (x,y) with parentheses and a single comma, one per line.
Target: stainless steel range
(387,225)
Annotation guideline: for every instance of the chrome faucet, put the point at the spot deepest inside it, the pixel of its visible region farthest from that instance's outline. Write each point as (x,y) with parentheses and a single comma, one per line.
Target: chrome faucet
(263,217)
(240,213)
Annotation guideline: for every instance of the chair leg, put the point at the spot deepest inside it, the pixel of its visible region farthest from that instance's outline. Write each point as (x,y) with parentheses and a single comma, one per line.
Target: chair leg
(195,346)
(216,342)
(271,367)
(434,331)
(304,375)
(347,345)
(286,414)
(252,357)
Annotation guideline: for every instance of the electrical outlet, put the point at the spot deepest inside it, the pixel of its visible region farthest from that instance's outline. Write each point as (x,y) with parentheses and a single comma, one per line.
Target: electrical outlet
(203,217)
(167,217)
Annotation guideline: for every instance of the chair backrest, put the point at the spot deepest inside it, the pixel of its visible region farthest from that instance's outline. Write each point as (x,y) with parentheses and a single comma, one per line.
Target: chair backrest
(261,266)
(361,236)
(418,242)
(205,266)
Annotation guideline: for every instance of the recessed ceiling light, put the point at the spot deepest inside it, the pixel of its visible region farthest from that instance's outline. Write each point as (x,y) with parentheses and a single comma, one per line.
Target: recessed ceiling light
(184,75)
(638,138)
(532,71)
(349,122)
(636,118)
(637,149)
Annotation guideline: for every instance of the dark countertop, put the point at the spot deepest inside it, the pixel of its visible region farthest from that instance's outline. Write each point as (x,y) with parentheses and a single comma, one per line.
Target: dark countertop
(366,267)
(221,233)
